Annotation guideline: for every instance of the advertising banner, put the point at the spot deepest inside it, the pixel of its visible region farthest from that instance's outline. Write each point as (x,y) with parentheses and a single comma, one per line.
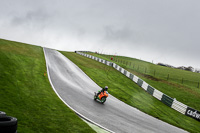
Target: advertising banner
(193,113)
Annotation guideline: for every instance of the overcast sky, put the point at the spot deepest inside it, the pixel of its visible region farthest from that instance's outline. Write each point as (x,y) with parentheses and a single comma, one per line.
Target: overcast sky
(166,31)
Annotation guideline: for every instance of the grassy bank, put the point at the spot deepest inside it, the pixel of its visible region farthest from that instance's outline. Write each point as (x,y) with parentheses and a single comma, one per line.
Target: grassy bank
(124,89)
(25,92)
(171,74)
(186,92)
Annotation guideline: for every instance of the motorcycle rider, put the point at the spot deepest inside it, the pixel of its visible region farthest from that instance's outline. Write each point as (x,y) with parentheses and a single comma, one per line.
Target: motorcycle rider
(103,89)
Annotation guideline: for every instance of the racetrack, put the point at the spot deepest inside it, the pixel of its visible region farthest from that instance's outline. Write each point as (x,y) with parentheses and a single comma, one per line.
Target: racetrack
(77,90)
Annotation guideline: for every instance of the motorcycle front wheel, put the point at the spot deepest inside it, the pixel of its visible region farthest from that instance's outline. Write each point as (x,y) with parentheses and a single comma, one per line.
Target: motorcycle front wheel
(103,99)
(95,97)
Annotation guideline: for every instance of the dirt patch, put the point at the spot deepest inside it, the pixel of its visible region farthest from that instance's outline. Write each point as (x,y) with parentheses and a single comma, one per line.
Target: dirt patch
(151,77)
(145,75)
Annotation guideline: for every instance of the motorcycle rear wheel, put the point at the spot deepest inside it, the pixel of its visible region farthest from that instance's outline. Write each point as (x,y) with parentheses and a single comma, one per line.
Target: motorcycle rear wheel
(95,97)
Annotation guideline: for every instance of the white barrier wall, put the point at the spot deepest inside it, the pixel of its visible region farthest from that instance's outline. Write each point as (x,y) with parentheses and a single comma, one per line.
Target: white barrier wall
(135,79)
(180,107)
(158,94)
(144,85)
(118,67)
(127,74)
(122,70)
(114,65)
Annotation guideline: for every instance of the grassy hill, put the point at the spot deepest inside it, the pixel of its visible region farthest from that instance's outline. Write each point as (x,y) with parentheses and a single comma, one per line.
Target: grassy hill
(25,92)
(124,89)
(179,84)
(183,77)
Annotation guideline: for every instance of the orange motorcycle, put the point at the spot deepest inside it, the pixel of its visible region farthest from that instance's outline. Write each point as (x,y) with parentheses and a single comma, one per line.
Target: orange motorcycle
(101,97)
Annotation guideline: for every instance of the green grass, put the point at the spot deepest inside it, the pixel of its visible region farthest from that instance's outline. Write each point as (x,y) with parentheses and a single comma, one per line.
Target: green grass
(25,92)
(161,72)
(185,93)
(124,89)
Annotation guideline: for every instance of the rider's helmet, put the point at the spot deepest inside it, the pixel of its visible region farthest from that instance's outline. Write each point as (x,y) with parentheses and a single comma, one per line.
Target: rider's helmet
(106,88)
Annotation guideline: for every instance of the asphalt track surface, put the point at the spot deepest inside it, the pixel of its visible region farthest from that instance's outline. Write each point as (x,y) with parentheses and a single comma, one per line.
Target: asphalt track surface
(76,89)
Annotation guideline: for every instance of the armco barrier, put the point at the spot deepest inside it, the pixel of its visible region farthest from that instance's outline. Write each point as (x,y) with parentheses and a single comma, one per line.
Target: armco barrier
(178,106)
(144,85)
(150,90)
(115,65)
(140,82)
(125,72)
(135,79)
(158,94)
(122,70)
(171,102)
(167,100)
(131,76)
(128,74)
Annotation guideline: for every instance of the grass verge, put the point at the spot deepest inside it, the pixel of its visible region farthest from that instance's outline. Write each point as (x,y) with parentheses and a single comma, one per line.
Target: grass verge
(185,93)
(25,92)
(127,91)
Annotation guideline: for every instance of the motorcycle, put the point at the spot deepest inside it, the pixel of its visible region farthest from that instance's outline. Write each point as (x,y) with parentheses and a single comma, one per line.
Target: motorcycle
(101,97)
